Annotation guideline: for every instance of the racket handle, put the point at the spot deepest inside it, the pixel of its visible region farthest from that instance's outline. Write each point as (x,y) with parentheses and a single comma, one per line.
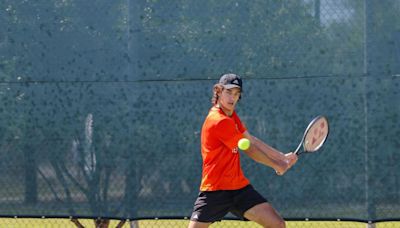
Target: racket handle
(298,148)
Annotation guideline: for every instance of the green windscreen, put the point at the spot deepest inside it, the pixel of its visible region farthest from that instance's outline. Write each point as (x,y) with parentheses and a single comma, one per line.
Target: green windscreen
(102,103)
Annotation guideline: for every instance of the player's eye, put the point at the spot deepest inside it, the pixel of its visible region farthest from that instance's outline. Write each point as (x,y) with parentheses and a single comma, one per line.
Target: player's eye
(236,94)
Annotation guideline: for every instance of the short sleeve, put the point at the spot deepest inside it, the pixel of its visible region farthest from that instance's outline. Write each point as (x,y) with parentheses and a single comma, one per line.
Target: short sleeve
(227,131)
(241,127)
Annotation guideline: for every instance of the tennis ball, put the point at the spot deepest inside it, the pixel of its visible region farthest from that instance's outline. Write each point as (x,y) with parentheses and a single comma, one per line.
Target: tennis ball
(244,144)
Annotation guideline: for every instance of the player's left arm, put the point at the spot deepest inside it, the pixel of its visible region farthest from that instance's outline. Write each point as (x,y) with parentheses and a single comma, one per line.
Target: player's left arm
(269,156)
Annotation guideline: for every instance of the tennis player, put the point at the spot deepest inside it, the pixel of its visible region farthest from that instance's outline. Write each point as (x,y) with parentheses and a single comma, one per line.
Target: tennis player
(224,188)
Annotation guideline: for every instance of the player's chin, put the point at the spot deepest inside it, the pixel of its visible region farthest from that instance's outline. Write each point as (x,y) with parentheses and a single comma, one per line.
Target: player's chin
(232,106)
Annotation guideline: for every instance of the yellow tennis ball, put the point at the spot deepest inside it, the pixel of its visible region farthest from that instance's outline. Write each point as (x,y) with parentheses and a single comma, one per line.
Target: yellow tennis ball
(244,144)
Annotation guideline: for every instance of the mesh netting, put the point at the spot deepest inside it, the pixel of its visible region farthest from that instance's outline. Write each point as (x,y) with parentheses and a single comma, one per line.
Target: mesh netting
(102,103)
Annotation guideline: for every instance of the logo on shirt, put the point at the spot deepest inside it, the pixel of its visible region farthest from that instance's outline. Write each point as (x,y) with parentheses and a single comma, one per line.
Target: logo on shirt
(235,150)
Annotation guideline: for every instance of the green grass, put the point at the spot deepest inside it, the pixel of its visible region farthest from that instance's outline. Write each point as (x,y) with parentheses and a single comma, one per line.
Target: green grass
(66,223)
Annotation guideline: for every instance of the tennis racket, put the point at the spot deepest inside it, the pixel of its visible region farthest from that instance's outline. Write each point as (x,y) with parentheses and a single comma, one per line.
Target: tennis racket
(314,136)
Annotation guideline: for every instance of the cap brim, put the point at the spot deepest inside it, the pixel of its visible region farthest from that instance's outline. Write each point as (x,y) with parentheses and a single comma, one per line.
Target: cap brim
(230,86)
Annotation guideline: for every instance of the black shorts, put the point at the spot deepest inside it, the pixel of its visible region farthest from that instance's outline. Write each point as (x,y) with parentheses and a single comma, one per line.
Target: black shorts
(211,206)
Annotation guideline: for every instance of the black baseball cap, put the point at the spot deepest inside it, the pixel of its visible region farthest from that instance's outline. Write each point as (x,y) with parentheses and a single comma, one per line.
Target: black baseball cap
(230,81)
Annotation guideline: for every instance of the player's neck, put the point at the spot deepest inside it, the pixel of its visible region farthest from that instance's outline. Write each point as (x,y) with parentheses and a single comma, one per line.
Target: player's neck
(226,111)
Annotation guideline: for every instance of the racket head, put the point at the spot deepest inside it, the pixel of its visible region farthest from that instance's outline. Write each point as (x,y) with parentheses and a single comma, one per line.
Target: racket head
(315,134)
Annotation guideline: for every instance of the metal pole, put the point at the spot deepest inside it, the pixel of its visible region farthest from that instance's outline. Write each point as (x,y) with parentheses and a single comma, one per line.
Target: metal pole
(368,70)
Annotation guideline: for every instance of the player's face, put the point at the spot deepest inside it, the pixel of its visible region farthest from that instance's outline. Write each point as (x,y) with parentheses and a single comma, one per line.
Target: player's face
(228,99)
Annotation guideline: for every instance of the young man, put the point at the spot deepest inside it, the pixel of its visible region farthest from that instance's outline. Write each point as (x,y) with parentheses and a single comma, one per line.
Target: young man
(223,187)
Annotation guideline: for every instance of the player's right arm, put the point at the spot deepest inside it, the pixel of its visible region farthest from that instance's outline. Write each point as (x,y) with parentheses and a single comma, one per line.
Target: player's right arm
(269,156)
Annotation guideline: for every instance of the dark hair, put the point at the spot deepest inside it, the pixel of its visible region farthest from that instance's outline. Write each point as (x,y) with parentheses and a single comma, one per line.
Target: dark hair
(216,88)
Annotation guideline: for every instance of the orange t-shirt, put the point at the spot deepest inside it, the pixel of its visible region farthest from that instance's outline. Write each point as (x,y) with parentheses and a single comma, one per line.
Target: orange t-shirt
(221,159)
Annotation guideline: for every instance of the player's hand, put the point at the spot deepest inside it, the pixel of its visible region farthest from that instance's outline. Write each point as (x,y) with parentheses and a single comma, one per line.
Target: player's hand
(283,167)
(290,160)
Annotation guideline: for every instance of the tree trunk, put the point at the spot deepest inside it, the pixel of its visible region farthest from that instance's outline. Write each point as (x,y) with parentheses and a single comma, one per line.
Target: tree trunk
(99,223)
(102,223)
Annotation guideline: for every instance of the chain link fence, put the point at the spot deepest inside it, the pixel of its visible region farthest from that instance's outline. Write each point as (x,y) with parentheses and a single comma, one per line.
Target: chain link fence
(102,104)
